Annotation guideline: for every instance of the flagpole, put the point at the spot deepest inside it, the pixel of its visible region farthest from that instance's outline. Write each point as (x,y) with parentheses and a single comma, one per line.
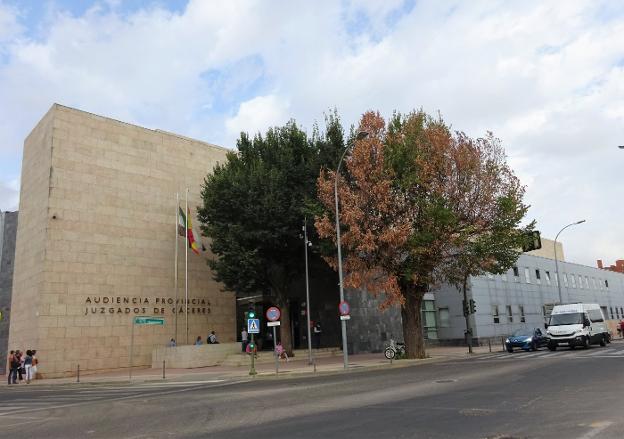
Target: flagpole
(175,269)
(186,213)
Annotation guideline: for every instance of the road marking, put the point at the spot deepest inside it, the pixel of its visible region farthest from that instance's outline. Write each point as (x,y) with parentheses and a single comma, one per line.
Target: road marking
(132,396)
(597,427)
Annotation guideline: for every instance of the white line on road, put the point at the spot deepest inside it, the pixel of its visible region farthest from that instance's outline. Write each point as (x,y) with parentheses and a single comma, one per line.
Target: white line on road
(597,427)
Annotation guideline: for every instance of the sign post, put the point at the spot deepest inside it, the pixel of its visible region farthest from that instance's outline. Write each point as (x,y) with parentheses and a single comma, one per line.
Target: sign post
(253,327)
(140,321)
(344,310)
(273,315)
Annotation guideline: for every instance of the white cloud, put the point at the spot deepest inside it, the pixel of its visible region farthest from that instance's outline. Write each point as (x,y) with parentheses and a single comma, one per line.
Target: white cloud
(546,77)
(9,195)
(9,26)
(258,114)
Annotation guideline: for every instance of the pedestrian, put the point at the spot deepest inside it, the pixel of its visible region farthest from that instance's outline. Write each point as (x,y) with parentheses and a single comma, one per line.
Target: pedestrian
(35,362)
(13,365)
(622,327)
(280,351)
(172,343)
(28,365)
(20,364)
(244,336)
(198,342)
(316,335)
(212,338)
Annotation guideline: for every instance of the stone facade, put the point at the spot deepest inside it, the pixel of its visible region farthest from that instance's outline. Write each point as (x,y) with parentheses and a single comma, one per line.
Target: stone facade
(96,239)
(8,230)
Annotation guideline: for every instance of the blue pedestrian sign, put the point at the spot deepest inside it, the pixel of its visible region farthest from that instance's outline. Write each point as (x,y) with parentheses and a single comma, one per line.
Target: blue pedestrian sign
(253,326)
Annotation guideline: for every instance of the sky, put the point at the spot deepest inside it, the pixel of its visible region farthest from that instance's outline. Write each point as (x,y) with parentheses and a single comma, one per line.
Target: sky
(546,77)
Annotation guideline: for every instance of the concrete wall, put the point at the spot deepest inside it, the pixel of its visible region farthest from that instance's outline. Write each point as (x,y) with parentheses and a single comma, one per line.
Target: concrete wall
(187,357)
(95,243)
(548,250)
(8,231)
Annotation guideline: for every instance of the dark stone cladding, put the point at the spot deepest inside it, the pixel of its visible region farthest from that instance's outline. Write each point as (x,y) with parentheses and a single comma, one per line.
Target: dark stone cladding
(370,329)
(8,231)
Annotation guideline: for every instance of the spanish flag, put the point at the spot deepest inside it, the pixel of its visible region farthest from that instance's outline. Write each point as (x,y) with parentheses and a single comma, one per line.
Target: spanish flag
(189,227)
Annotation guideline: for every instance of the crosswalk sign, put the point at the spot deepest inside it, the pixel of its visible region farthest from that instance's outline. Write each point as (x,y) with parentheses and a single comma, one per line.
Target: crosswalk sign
(253,326)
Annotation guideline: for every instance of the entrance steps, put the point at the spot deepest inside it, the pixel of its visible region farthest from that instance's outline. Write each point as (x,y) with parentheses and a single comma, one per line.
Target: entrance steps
(264,357)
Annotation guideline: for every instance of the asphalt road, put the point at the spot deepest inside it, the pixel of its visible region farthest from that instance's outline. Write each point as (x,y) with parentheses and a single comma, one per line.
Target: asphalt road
(572,394)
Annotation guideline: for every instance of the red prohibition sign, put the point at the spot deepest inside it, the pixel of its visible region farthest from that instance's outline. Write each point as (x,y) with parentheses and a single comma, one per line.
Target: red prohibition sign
(344,308)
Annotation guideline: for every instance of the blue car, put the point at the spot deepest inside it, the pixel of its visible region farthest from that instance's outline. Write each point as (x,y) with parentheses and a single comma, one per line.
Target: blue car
(527,339)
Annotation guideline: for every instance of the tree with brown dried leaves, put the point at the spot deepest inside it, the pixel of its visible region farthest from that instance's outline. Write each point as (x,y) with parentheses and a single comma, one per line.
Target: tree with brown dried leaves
(420,205)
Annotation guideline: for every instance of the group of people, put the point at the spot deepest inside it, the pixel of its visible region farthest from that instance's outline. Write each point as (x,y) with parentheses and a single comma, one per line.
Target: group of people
(211,339)
(22,366)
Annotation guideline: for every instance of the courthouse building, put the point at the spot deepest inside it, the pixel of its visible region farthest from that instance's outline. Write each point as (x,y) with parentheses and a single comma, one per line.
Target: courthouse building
(96,240)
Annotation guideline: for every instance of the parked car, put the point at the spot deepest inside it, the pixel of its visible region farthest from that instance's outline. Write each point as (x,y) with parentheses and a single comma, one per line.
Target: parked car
(527,339)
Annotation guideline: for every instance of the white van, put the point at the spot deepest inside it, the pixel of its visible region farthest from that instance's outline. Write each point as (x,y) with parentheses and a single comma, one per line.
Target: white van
(577,324)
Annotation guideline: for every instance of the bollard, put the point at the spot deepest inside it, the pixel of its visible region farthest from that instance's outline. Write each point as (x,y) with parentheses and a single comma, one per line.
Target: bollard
(78,374)
(163,369)
(503,342)
(314,362)
(490,344)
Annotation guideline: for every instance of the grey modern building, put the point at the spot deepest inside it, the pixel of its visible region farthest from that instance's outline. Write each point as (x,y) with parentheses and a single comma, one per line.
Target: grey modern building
(524,296)
(8,230)
(521,298)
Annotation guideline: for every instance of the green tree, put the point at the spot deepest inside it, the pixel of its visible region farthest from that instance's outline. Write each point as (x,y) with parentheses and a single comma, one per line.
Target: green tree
(414,205)
(254,205)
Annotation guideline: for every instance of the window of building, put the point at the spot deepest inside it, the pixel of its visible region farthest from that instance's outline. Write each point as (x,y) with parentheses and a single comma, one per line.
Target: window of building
(565,280)
(606,284)
(428,314)
(538,278)
(573,280)
(580,282)
(445,320)
(622,312)
(495,315)
(522,318)
(546,310)
(587,282)
(547,277)
(516,272)
(617,313)
(611,312)
(509,314)
(527,275)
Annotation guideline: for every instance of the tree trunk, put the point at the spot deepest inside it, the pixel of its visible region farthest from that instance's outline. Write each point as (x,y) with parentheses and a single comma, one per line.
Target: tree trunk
(285,333)
(412,321)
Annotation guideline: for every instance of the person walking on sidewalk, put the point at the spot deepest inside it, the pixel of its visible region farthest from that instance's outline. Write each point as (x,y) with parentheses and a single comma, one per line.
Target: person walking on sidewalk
(281,352)
(316,335)
(28,365)
(13,366)
(244,336)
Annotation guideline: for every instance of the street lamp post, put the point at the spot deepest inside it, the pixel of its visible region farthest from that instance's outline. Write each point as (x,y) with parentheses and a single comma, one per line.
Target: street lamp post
(307,243)
(557,262)
(343,323)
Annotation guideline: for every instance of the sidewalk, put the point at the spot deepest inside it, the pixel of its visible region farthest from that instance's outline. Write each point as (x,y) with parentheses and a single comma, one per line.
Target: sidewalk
(295,367)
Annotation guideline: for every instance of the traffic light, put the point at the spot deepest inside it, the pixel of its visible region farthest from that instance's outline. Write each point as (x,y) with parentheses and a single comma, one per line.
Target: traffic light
(473,306)
(466,308)
(533,241)
(250,314)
